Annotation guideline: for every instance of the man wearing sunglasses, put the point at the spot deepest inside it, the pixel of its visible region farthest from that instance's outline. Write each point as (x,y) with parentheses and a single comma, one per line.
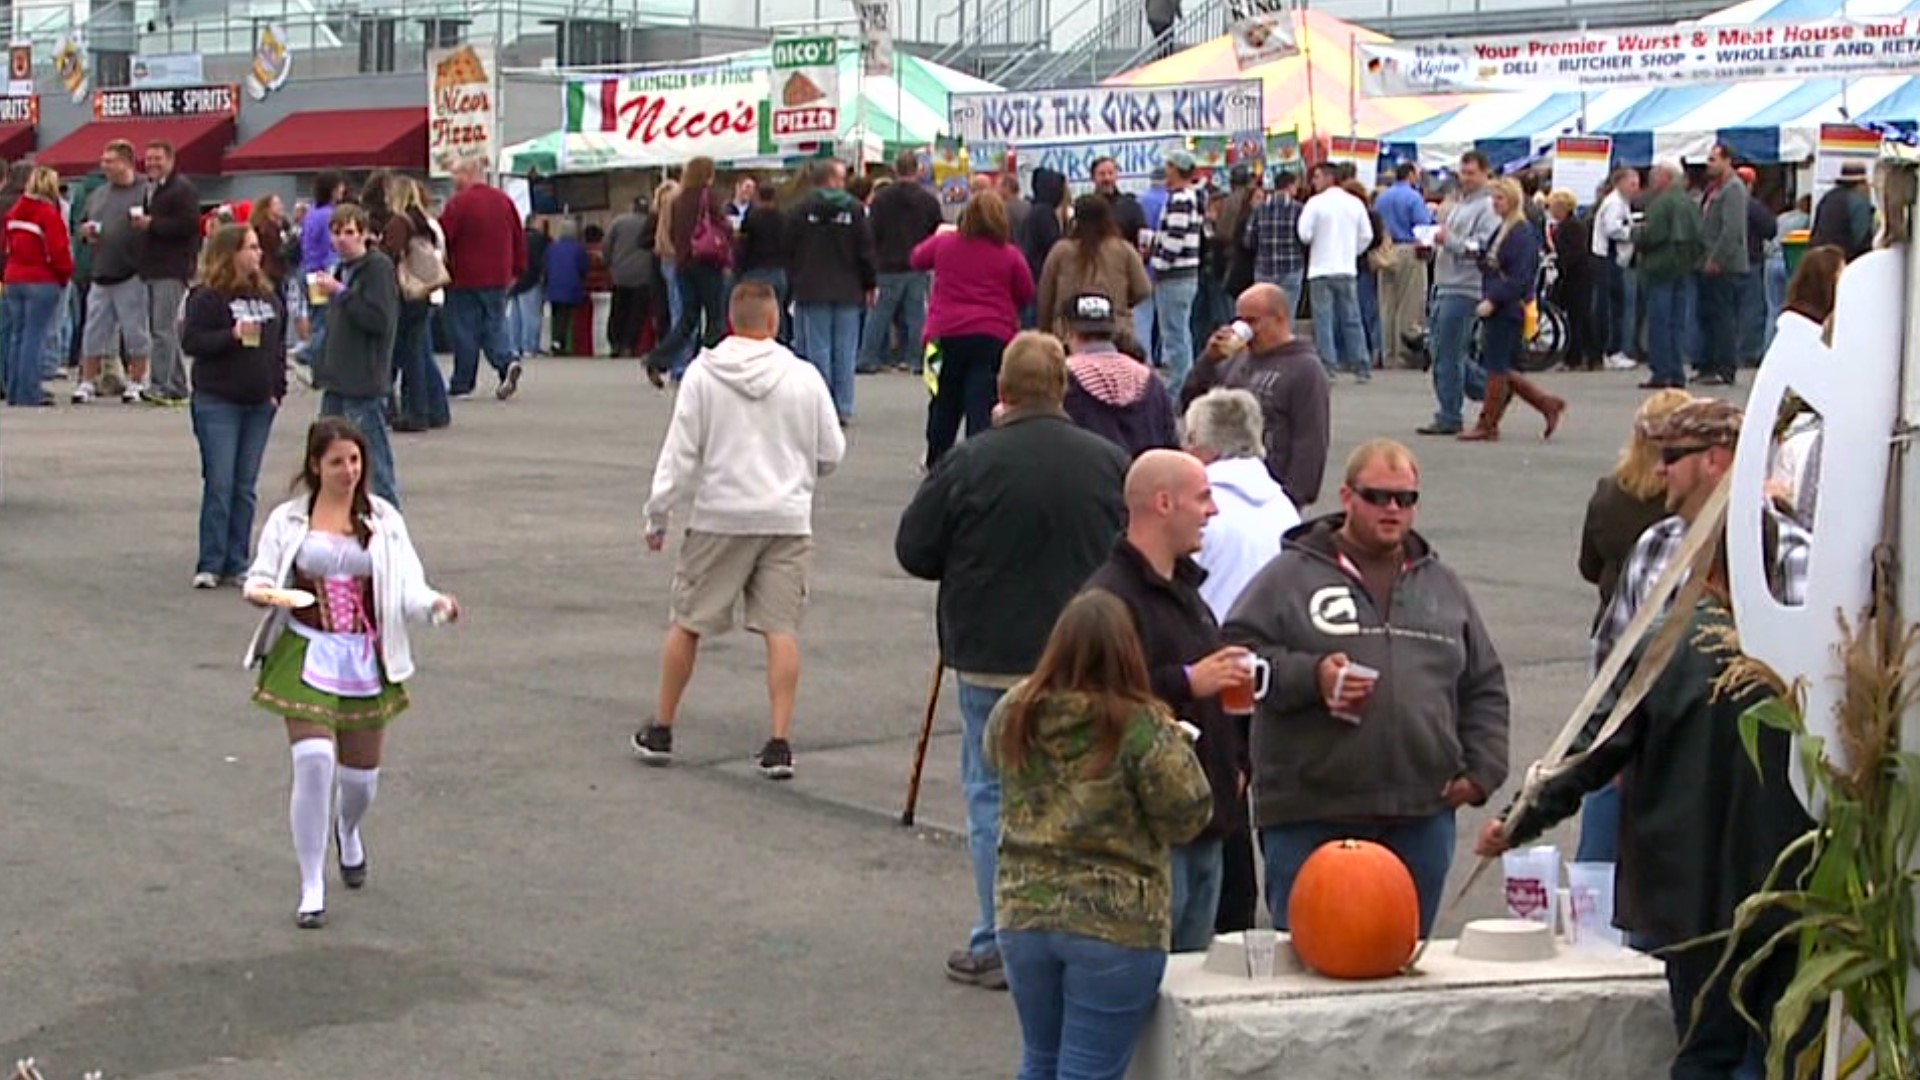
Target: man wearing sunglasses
(1387,707)
(1696,449)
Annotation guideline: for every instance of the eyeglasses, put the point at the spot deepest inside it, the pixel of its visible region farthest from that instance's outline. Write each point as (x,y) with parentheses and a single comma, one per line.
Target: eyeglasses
(1674,455)
(1405,500)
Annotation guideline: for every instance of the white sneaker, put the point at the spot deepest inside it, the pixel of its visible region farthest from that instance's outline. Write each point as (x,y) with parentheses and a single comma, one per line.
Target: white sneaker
(1620,362)
(83,393)
(205,580)
(134,394)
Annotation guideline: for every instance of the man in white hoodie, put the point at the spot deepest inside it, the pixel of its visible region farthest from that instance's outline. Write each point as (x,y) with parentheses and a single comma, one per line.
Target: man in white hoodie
(1224,430)
(753,430)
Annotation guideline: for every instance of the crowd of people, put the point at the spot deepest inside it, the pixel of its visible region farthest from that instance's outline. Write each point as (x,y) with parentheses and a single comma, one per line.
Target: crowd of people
(1172,667)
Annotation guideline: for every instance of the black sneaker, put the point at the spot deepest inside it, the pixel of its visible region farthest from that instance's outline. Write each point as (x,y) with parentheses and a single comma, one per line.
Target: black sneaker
(776,760)
(977,969)
(653,744)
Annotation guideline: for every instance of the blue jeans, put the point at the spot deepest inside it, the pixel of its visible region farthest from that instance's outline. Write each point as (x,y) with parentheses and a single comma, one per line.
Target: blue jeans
(903,295)
(59,329)
(829,336)
(1425,846)
(233,439)
(1774,287)
(1600,826)
(1450,328)
(1144,319)
(523,320)
(1173,308)
(29,312)
(777,281)
(676,307)
(981,785)
(1690,330)
(423,389)
(1337,332)
(370,416)
(1754,323)
(1198,869)
(476,320)
(1082,1002)
(1666,308)
(701,322)
(316,332)
(1291,282)
(1720,299)
(1370,311)
(1625,286)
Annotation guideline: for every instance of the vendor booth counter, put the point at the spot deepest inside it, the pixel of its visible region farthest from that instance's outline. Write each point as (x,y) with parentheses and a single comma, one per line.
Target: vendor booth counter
(1582,1015)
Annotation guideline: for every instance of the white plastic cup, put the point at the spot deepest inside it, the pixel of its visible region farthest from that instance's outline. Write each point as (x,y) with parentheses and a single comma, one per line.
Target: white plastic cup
(1359,673)
(1260,944)
(136,213)
(1590,905)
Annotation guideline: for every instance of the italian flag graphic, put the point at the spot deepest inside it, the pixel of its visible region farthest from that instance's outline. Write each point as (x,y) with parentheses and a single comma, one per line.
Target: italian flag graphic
(593,105)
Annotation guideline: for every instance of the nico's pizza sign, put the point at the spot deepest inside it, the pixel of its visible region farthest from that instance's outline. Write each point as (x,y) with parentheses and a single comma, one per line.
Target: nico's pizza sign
(806,90)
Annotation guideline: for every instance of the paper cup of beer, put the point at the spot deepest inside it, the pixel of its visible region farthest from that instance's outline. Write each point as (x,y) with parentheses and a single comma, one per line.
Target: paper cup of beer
(250,334)
(316,295)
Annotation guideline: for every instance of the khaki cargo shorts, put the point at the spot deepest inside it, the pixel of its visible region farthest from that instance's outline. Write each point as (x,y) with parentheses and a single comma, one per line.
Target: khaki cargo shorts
(717,573)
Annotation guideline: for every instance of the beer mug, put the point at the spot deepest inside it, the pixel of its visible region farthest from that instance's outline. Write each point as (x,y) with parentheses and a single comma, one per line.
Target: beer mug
(316,295)
(1240,700)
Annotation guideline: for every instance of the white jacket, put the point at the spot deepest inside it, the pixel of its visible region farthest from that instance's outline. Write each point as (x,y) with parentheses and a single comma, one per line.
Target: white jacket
(1245,535)
(1336,229)
(753,429)
(400,589)
(1613,229)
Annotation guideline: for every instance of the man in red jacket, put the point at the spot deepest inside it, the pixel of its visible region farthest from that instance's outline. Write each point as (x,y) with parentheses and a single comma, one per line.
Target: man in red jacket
(486,254)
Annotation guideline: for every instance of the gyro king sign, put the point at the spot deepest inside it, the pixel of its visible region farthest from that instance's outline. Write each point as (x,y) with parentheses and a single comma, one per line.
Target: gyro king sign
(806,90)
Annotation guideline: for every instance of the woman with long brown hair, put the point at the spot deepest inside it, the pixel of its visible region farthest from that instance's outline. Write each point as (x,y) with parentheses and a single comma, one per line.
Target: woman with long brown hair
(1091,258)
(234,326)
(340,579)
(269,224)
(702,244)
(980,283)
(1097,785)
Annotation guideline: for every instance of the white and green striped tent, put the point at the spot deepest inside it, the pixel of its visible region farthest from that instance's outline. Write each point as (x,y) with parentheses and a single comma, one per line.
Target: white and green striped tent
(878,113)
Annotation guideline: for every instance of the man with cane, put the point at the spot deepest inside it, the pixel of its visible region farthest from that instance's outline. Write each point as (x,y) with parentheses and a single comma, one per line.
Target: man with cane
(1009,544)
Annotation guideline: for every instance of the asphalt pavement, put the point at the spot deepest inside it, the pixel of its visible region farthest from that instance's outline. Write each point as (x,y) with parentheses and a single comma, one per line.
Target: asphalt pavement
(540,904)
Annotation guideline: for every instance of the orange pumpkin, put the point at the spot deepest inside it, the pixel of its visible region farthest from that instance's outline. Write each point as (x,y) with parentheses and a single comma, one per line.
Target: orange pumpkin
(1354,913)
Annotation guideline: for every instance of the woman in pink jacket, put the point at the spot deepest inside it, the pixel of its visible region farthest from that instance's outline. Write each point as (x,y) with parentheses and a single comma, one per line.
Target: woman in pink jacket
(980,283)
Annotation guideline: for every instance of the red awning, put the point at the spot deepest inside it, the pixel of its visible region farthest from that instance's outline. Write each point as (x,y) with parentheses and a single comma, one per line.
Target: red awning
(18,140)
(198,142)
(339,139)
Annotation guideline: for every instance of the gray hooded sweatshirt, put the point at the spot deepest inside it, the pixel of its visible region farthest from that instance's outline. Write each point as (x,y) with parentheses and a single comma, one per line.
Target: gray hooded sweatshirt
(1439,710)
(1471,221)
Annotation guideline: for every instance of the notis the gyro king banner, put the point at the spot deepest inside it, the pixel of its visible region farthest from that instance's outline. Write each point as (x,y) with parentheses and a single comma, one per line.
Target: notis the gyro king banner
(459,106)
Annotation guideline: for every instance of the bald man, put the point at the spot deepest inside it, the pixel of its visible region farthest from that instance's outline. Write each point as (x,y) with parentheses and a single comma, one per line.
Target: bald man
(1285,374)
(1152,571)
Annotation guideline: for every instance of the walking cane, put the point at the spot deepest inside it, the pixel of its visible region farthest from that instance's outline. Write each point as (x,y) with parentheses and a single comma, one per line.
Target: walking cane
(920,752)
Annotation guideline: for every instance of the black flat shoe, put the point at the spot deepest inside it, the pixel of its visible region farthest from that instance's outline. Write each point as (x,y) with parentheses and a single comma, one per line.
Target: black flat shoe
(310,920)
(351,876)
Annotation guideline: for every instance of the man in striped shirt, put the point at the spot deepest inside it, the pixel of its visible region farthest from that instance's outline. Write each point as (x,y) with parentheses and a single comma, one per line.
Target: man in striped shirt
(1176,267)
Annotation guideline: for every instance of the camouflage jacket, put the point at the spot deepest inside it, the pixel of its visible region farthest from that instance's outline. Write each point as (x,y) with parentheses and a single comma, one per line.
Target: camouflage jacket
(1087,854)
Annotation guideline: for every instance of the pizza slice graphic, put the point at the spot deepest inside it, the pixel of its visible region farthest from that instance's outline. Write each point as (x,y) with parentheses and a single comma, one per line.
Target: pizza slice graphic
(801,90)
(463,68)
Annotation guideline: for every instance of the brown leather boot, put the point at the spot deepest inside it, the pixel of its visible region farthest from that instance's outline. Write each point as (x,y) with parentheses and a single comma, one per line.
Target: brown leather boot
(1487,428)
(1548,405)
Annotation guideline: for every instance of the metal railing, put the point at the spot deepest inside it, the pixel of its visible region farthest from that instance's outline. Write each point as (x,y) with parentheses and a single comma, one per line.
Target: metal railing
(1117,43)
(996,25)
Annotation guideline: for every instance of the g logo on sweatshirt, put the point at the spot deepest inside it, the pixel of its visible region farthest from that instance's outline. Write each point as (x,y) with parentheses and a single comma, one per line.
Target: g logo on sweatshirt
(1333,611)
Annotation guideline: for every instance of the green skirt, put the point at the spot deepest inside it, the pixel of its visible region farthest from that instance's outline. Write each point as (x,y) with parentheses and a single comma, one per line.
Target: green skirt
(283,692)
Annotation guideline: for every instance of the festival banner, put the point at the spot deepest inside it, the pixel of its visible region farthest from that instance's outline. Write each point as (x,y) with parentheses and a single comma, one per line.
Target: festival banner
(1283,151)
(1262,30)
(1362,154)
(460,106)
(952,169)
(1839,144)
(1581,164)
(1643,56)
(876,34)
(20,69)
(806,90)
(989,157)
(1210,151)
(272,62)
(1072,114)
(666,117)
(70,64)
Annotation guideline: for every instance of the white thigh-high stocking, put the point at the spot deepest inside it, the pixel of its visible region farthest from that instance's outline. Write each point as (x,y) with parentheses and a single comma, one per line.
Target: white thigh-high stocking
(357,789)
(310,811)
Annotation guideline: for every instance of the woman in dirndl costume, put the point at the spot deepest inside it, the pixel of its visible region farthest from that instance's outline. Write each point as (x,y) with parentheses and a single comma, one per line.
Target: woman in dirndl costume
(341,580)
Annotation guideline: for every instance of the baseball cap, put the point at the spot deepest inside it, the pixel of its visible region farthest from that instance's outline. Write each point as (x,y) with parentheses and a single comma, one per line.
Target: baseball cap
(1707,421)
(1092,313)
(1181,160)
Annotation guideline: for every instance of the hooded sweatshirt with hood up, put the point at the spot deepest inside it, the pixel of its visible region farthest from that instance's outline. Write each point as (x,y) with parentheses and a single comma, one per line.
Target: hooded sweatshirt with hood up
(1111,394)
(1041,230)
(753,429)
